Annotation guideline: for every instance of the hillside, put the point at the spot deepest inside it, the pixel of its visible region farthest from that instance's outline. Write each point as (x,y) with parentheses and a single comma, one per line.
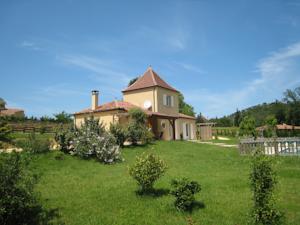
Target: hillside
(259,112)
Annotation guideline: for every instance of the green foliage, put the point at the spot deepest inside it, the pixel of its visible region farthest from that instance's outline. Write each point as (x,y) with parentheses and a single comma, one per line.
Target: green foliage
(5,131)
(184,191)
(119,132)
(263,182)
(2,104)
(18,203)
(146,170)
(137,129)
(63,117)
(271,123)
(64,138)
(247,127)
(91,140)
(237,118)
(133,80)
(33,144)
(292,98)
(138,115)
(184,107)
(200,118)
(224,121)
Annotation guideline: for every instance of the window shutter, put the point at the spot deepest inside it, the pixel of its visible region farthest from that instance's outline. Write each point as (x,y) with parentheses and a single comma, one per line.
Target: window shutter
(172,101)
(165,99)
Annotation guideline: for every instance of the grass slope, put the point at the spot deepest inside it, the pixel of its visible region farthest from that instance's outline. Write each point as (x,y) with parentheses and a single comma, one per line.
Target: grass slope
(87,192)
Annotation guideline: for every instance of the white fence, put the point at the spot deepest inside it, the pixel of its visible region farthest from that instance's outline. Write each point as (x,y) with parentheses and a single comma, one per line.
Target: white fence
(271,146)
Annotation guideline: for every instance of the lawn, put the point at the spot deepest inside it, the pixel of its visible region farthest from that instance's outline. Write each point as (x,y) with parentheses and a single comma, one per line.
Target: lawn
(87,192)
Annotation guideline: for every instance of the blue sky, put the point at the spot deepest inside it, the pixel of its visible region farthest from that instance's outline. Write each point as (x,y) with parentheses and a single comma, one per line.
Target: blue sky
(221,55)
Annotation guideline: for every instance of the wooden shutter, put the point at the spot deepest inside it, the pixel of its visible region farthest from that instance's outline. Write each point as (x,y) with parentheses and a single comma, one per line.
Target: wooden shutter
(172,101)
(165,99)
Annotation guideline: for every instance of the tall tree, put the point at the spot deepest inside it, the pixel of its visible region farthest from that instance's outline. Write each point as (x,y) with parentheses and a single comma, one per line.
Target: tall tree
(247,127)
(292,98)
(200,118)
(2,104)
(133,80)
(237,118)
(184,107)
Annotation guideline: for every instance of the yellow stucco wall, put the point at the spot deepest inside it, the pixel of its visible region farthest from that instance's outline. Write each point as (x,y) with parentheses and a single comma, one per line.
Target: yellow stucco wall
(179,128)
(105,117)
(170,110)
(138,97)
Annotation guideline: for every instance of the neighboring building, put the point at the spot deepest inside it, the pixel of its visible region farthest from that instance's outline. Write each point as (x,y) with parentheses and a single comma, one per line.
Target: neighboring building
(158,100)
(9,111)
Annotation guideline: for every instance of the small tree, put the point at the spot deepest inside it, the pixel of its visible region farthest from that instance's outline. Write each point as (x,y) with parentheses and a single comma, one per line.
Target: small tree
(247,127)
(63,117)
(263,182)
(2,104)
(146,170)
(270,123)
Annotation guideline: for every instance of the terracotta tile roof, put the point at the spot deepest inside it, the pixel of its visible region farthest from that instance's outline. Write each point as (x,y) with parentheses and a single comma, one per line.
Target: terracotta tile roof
(126,106)
(10,112)
(114,105)
(186,116)
(149,79)
(281,127)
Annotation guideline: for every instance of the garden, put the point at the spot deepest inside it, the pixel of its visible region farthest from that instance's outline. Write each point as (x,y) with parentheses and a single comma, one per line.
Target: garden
(93,179)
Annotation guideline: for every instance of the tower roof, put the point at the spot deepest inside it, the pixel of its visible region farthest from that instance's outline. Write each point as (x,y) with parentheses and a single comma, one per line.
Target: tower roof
(149,79)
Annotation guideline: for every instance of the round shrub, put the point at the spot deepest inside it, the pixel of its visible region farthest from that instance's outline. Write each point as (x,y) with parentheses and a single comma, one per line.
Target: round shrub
(146,170)
(184,191)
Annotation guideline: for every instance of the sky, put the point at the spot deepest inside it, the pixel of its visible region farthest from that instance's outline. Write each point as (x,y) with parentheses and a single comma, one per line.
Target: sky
(222,55)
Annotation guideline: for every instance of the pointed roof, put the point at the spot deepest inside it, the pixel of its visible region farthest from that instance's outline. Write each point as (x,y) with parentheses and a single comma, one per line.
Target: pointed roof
(149,79)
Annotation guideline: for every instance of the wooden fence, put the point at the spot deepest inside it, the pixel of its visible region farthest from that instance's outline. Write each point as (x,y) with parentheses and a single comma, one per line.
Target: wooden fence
(271,146)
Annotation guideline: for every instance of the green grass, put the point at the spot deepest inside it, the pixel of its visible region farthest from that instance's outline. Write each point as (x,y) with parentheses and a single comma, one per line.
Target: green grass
(87,192)
(25,135)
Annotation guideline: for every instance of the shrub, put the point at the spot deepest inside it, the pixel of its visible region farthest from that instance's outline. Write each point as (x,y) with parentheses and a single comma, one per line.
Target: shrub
(5,131)
(18,203)
(147,137)
(119,132)
(107,150)
(34,145)
(184,191)
(64,138)
(91,139)
(138,115)
(146,170)
(263,181)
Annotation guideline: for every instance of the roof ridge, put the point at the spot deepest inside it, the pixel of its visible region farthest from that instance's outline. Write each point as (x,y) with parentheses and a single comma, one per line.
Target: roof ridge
(152,75)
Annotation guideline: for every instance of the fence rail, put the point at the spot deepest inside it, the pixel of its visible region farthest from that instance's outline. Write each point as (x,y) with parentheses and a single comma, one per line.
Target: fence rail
(271,146)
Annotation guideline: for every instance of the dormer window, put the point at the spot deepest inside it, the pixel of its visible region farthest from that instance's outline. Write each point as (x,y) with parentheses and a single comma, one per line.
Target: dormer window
(169,100)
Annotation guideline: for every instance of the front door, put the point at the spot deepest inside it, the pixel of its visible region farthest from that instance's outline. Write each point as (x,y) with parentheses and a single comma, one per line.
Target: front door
(186,131)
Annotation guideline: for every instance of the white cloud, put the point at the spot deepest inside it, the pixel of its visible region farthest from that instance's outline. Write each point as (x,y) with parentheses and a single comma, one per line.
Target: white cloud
(190,67)
(276,72)
(30,45)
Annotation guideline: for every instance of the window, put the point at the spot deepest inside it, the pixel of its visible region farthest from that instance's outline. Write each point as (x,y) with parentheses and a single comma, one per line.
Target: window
(187,129)
(168,100)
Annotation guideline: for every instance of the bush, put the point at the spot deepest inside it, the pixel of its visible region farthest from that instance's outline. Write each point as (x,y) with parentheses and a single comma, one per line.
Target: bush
(34,145)
(263,182)
(107,150)
(18,203)
(91,139)
(184,191)
(247,127)
(5,131)
(146,170)
(64,138)
(119,132)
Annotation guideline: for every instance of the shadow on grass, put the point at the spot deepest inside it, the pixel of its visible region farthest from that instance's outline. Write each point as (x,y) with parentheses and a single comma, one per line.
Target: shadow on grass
(196,206)
(50,216)
(155,193)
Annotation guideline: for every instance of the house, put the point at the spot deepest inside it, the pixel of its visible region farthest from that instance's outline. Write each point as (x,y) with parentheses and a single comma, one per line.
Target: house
(156,98)
(10,111)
